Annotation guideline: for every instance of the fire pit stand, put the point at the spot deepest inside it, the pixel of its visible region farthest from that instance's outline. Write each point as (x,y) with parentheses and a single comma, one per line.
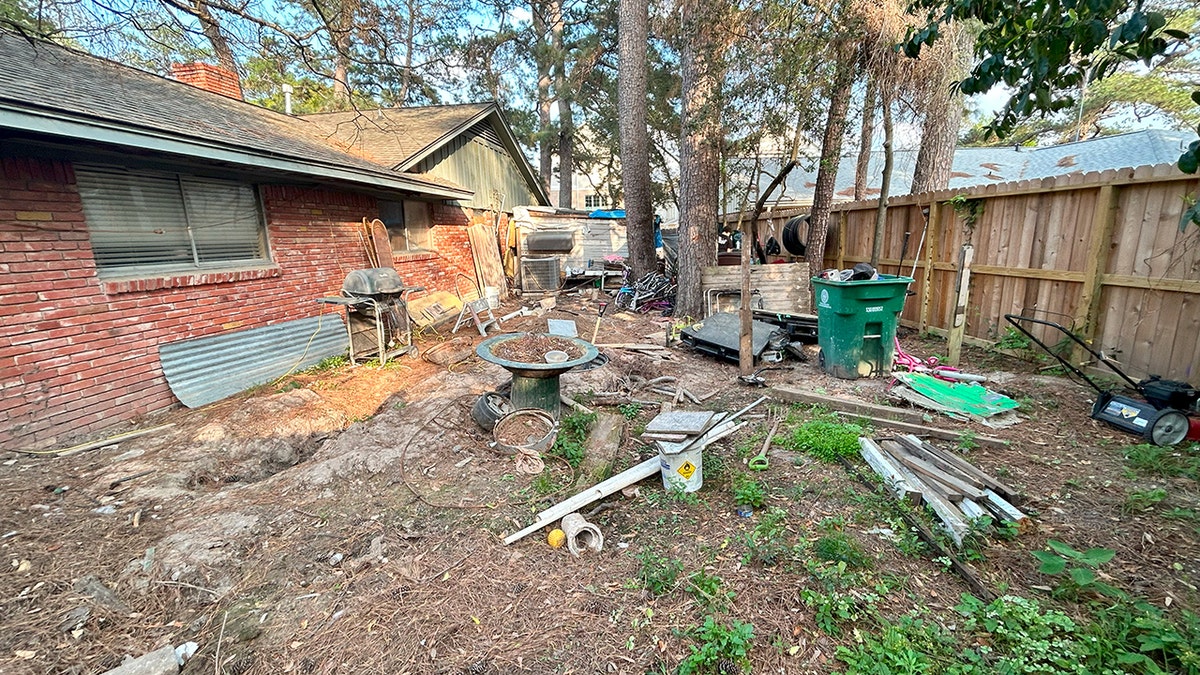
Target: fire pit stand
(535,385)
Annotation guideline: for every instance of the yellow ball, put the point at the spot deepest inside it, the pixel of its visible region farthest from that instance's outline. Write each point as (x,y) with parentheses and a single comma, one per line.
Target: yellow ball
(557,538)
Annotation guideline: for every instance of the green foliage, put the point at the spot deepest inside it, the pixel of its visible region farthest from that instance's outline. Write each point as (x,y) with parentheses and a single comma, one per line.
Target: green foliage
(721,648)
(832,608)
(630,410)
(572,434)
(1014,340)
(1016,635)
(970,210)
(658,573)
(904,648)
(715,468)
(1139,637)
(1142,500)
(765,544)
(748,491)
(1078,566)
(709,592)
(1154,460)
(966,440)
(825,438)
(839,547)
(328,364)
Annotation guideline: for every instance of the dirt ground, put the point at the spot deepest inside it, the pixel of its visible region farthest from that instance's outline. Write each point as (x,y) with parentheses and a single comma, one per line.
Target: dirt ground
(351,521)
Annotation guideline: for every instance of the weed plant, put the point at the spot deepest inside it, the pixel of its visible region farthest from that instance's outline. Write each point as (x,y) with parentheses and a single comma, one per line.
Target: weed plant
(709,591)
(658,573)
(722,649)
(1154,460)
(748,491)
(825,438)
(572,434)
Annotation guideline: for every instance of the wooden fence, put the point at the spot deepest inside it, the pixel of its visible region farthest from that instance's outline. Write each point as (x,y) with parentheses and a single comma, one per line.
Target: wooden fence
(1100,252)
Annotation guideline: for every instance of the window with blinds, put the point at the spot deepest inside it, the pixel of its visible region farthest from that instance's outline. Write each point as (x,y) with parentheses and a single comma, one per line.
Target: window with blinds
(149,222)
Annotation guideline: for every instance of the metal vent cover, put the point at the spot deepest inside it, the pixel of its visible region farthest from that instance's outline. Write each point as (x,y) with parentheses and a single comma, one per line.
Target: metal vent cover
(539,274)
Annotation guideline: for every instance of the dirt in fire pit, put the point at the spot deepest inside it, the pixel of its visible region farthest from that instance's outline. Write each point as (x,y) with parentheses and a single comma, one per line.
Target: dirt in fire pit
(532,348)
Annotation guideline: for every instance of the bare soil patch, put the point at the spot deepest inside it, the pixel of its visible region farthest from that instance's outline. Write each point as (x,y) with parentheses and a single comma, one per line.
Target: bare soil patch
(350,521)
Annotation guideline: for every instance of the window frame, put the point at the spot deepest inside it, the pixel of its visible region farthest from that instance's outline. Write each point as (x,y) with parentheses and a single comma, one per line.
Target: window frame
(180,179)
(601,199)
(401,229)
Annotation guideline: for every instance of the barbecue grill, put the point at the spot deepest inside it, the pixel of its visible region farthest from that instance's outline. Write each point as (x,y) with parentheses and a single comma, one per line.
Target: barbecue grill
(376,305)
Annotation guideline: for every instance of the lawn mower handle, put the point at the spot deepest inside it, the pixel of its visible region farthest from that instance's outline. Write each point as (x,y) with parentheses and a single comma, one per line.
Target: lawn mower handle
(1015,321)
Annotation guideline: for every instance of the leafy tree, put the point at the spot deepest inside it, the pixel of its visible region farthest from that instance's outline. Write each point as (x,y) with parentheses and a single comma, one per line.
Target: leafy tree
(1045,51)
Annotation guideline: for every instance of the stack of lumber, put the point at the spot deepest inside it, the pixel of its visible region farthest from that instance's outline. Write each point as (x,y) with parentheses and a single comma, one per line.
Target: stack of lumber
(953,488)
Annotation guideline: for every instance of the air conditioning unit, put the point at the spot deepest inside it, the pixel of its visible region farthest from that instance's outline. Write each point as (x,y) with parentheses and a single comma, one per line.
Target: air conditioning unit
(539,275)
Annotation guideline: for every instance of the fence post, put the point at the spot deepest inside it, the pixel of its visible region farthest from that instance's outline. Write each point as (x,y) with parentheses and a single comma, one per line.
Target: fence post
(1099,243)
(932,233)
(841,251)
(958,325)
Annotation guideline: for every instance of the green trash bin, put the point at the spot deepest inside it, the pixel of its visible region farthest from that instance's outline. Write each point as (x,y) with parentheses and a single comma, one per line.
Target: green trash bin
(856,324)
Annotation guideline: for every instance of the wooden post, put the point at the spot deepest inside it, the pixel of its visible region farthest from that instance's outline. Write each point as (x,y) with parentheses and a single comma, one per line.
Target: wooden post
(841,249)
(745,341)
(932,235)
(1099,244)
(962,286)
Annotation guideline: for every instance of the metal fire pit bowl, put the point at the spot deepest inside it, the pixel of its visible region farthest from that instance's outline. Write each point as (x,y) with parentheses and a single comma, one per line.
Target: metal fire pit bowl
(535,385)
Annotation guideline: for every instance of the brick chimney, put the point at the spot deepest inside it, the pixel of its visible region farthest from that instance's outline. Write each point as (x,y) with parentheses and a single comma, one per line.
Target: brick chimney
(208,77)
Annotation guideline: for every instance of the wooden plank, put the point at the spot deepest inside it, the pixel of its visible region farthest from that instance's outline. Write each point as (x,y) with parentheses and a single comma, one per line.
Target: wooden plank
(933,229)
(972,510)
(783,288)
(1099,245)
(486,253)
(794,395)
(944,434)
(962,289)
(968,468)
(916,448)
(382,243)
(888,471)
(953,521)
(1006,511)
(926,469)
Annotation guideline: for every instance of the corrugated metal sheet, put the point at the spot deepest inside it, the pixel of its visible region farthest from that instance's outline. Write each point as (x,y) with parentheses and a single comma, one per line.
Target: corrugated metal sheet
(209,369)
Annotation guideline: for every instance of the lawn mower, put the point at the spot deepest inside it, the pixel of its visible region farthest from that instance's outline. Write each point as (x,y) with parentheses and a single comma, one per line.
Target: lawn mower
(1162,416)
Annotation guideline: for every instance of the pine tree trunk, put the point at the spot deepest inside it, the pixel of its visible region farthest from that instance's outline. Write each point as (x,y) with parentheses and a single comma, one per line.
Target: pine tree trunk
(885,184)
(861,178)
(943,117)
(340,34)
(541,55)
(831,155)
(633,37)
(212,31)
(699,155)
(566,121)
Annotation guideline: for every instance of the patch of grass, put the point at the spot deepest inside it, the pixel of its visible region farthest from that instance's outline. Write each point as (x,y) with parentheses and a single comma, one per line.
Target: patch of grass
(1154,460)
(658,573)
(1014,340)
(1138,501)
(832,608)
(572,434)
(328,364)
(825,438)
(1180,514)
(722,649)
(748,491)
(715,468)
(839,547)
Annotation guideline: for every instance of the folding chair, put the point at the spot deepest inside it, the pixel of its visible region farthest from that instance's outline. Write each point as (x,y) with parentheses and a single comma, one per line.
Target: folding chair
(472,304)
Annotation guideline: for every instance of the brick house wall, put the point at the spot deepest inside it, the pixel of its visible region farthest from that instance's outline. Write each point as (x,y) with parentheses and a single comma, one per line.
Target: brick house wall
(78,354)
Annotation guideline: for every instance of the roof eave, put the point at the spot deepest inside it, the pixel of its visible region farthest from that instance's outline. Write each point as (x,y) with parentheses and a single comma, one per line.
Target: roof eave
(54,123)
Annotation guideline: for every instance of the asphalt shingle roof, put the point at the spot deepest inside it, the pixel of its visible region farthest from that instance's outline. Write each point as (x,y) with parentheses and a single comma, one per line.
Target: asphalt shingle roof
(981,166)
(395,136)
(42,76)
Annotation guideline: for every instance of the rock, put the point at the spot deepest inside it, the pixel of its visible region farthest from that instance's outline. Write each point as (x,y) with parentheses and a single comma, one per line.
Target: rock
(74,618)
(158,662)
(210,433)
(91,586)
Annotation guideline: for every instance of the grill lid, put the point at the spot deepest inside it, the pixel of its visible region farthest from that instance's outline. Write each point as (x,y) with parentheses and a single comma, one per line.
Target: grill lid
(374,281)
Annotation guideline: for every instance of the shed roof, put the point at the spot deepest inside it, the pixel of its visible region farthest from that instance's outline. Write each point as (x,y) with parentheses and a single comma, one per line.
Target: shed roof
(49,89)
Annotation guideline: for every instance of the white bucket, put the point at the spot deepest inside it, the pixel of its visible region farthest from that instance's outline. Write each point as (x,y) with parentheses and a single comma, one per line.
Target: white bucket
(493,296)
(682,470)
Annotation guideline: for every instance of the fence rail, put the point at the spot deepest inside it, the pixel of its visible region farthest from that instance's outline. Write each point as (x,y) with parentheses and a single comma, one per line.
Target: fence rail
(1101,253)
